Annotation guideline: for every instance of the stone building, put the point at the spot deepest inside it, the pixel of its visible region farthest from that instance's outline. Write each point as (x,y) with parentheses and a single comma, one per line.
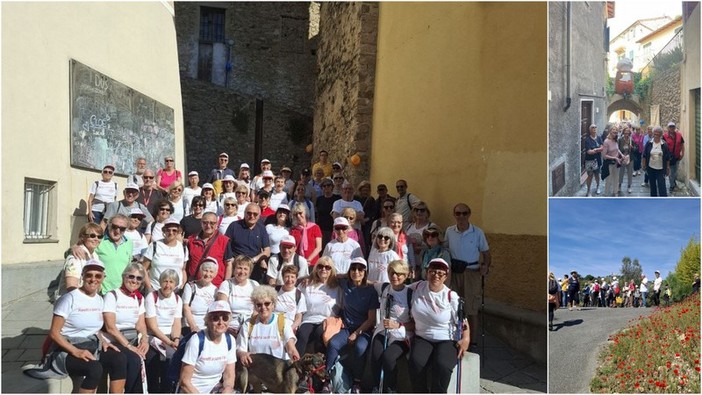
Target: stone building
(430,92)
(690,114)
(576,83)
(244,64)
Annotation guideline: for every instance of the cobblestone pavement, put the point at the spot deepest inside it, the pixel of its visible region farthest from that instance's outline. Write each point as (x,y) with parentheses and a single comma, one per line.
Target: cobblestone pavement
(637,190)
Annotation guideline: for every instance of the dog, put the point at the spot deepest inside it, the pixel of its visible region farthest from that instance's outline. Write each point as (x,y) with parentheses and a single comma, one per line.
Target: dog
(278,375)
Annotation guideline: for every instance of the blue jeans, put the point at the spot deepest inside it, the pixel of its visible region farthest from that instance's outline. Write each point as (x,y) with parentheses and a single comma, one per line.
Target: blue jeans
(564,298)
(673,174)
(643,299)
(97,216)
(359,347)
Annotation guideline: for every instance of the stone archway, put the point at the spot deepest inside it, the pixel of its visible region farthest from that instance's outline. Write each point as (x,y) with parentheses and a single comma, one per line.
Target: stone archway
(619,102)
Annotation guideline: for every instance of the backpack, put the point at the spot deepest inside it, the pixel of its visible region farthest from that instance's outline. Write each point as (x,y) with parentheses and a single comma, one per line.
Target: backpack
(597,287)
(298,294)
(281,325)
(409,296)
(296,261)
(173,372)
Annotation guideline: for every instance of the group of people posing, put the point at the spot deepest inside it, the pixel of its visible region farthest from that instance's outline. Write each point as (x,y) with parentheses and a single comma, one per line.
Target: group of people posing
(266,265)
(623,152)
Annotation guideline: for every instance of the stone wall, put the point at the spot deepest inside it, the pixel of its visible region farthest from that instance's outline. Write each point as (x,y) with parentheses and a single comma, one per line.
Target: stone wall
(217,119)
(665,92)
(346,83)
(273,58)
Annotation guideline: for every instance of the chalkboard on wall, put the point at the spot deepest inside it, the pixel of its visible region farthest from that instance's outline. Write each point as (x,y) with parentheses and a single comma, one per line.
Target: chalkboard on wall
(112,123)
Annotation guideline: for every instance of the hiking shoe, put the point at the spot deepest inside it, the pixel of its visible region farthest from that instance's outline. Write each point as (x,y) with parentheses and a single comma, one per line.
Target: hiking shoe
(629,190)
(598,190)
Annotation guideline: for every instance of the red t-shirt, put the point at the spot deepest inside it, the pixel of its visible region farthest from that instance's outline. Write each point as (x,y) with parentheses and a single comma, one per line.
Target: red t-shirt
(219,251)
(312,234)
(675,145)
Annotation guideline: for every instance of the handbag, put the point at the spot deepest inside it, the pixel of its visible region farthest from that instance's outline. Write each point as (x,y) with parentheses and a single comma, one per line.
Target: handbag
(554,299)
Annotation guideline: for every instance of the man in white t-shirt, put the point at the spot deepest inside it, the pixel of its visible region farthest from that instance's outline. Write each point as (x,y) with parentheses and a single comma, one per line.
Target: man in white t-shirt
(202,371)
(193,189)
(657,288)
(102,193)
(288,257)
(348,201)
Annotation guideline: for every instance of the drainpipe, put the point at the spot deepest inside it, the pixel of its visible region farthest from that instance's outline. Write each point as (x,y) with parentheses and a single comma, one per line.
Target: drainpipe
(569,28)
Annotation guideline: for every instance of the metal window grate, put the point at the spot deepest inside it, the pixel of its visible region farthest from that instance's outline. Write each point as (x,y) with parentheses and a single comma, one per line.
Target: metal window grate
(36,210)
(211,24)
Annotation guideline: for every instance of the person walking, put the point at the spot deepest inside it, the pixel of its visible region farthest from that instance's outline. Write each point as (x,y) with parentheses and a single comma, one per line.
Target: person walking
(657,282)
(676,145)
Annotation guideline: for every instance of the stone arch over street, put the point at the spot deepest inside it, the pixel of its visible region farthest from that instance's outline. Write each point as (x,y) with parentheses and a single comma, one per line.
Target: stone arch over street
(618,103)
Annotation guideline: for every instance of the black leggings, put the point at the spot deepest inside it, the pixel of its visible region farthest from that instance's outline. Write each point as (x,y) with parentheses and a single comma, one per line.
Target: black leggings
(551,309)
(306,333)
(133,384)
(441,356)
(388,359)
(156,372)
(112,361)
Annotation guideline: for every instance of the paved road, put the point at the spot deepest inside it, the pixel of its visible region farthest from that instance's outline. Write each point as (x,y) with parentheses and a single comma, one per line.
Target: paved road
(575,343)
(637,190)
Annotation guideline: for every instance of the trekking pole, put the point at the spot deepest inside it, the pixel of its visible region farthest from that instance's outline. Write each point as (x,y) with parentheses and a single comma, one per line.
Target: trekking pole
(482,319)
(144,381)
(459,334)
(388,304)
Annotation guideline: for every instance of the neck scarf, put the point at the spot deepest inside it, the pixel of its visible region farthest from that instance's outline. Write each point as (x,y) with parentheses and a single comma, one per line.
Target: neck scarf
(135,294)
(401,241)
(304,245)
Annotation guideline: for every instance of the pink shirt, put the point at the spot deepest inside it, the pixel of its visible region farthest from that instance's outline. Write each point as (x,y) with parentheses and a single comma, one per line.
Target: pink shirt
(611,149)
(167,180)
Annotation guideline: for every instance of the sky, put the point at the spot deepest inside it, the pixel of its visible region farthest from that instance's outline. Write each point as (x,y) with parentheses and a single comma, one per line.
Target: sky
(628,12)
(591,236)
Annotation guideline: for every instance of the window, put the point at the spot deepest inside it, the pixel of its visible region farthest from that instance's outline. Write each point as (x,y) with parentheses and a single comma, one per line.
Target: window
(39,210)
(211,24)
(647,49)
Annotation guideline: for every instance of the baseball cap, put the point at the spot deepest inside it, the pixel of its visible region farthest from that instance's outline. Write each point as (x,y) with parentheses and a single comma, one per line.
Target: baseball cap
(223,154)
(439,262)
(265,161)
(219,306)
(170,222)
(131,185)
(93,264)
(671,124)
(284,207)
(267,174)
(288,240)
(110,166)
(207,185)
(359,260)
(337,164)
(341,221)
(229,177)
(193,173)
(285,168)
(136,211)
(244,166)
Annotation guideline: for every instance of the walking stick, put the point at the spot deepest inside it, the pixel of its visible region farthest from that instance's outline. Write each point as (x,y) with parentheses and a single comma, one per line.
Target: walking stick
(482,319)
(388,304)
(459,333)
(144,382)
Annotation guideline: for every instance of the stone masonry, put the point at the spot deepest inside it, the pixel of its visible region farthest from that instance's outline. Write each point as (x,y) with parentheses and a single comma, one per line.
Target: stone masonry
(345,85)
(665,92)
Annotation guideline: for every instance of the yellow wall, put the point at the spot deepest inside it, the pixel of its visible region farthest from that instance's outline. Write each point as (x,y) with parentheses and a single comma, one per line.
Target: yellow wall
(133,43)
(461,93)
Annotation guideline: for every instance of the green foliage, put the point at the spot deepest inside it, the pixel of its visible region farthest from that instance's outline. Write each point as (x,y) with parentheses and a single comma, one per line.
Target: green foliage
(642,86)
(630,270)
(663,62)
(678,288)
(610,86)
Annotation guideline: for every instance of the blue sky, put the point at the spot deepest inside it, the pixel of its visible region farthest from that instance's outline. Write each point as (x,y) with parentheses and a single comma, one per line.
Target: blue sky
(592,236)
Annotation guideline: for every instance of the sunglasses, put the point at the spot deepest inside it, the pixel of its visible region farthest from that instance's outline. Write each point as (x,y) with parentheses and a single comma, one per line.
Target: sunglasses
(437,272)
(211,223)
(164,209)
(357,268)
(252,214)
(386,238)
(324,267)
(397,274)
(169,160)
(97,276)
(420,210)
(198,205)
(107,172)
(172,229)
(389,207)
(461,213)
(119,228)
(91,236)
(148,177)
(432,234)
(267,304)
(340,228)
(134,277)
(229,205)
(241,193)
(219,317)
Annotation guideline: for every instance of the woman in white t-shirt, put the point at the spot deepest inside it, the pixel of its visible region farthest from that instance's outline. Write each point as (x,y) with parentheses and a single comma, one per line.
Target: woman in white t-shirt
(656,160)
(175,196)
(164,311)
(261,333)
(75,330)
(229,185)
(124,322)
(154,230)
(211,203)
(420,221)
(102,193)
(381,254)
(434,309)
(229,215)
(242,199)
(201,372)
(89,238)
(133,233)
(237,291)
(323,297)
(278,227)
(167,254)
(291,300)
(198,295)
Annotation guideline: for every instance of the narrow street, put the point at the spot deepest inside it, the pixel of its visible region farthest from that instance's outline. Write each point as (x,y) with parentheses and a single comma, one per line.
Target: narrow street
(636,189)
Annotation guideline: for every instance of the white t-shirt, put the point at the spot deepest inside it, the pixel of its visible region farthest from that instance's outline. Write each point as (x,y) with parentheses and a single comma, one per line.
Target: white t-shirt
(278,198)
(178,209)
(103,192)
(287,304)
(239,298)
(155,229)
(210,364)
(241,209)
(273,272)
(166,310)
(399,311)
(644,285)
(341,204)
(73,267)
(275,235)
(213,207)
(342,253)
(320,302)
(138,242)
(265,338)
(83,313)
(378,265)
(127,310)
(188,195)
(655,158)
(204,296)
(166,257)
(434,315)
(657,283)
(226,221)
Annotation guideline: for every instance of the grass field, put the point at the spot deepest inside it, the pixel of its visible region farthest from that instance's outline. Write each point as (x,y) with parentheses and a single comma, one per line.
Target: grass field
(655,354)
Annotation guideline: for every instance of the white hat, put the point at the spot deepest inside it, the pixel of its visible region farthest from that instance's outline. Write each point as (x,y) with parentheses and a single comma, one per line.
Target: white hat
(336,164)
(219,305)
(267,174)
(93,264)
(131,185)
(193,173)
(207,185)
(265,161)
(229,177)
(110,166)
(341,221)
(136,211)
(244,166)
(171,221)
(284,207)
(285,168)
(223,154)
(288,240)
(671,124)
(439,261)
(359,260)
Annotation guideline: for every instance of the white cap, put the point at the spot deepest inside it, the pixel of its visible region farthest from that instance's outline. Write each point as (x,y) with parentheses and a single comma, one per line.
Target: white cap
(284,207)
(229,177)
(336,164)
(341,221)
(267,174)
(288,240)
(244,166)
(93,264)
(671,124)
(136,211)
(359,260)
(219,305)
(131,185)
(207,185)
(439,261)
(171,221)
(193,173)
(265,161)
(223,154)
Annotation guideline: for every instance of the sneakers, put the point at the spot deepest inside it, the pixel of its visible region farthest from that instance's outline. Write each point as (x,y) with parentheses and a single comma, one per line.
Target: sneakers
(629,190)
(598,190)
(644,184)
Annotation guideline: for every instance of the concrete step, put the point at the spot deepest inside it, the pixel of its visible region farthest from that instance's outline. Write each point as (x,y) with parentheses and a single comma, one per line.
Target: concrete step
(14,381)
(470,375)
